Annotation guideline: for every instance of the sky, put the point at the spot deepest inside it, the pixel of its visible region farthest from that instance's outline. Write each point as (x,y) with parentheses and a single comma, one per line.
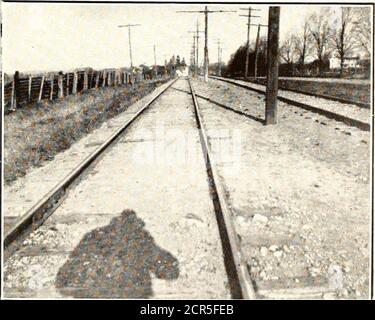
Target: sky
(52,36)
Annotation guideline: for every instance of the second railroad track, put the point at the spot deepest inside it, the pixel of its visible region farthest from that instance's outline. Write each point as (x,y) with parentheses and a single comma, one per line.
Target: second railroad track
(226,268)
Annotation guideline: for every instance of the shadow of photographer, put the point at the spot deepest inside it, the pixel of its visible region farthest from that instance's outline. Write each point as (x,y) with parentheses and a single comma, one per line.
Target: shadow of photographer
(116,261)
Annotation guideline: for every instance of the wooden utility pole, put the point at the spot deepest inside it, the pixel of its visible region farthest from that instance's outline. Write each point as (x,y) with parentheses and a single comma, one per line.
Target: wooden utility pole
(155,66)
(221,57)
(192,53)
(130,43)
(192,60)
(257,49)
(249,16)
(272,65)
(206,12)
(196,51)
(194,57)
(218,57)
(194,46)
(205,63)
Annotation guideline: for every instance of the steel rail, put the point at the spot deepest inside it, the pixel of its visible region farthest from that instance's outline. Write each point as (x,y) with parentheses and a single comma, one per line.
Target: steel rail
(36,215)
(238,276)
(329,114)
(365,105)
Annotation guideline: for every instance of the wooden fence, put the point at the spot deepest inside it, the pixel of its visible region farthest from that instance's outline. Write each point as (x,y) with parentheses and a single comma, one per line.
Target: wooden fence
(31,89)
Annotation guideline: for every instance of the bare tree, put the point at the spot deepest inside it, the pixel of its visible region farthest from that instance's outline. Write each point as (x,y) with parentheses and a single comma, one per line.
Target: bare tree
(342,35)
(362,28)
(319,33)
(287,52)
(301,44)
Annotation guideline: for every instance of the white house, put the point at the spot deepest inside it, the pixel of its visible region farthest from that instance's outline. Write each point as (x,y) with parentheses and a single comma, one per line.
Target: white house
(349,62)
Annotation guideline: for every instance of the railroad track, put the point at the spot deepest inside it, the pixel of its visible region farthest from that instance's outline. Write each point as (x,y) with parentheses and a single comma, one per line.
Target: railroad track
(239,281)
(284,287)
(240,285)
(329,114)
(36,215)
(237,268)
(324,96)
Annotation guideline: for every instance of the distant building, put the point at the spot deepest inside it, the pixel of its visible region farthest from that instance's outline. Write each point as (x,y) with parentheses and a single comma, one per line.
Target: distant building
(349,63)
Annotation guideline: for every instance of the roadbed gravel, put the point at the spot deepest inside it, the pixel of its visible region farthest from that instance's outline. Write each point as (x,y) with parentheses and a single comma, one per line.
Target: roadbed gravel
(347,110)
(299,193)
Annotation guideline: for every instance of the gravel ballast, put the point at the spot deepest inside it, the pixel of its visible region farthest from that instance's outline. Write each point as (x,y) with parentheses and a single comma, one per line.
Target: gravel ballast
(300,196)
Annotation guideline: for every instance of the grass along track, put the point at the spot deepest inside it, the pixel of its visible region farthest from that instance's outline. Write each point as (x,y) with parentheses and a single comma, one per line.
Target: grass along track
(35,217)
(35,134)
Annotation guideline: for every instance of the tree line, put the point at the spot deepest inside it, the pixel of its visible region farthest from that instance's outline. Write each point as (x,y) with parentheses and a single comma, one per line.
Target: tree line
(323,34)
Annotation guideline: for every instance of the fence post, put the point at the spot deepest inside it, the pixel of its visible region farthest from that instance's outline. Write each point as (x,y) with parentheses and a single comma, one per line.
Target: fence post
(67,84)
(109,78)
(29,92)
(97,79)
(104,78)
(16,89)
(75,81)
(91,79)
(12,97)
(41,89)
(60,84)
(85,80)
(52,80)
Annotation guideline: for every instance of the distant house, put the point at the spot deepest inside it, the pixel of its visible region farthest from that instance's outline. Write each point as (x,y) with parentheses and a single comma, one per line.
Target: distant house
(349,63)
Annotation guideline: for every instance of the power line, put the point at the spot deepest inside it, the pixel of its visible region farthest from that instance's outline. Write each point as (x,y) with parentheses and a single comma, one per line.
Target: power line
(257,49)
(192,52)
(218,42)
(130,44)
(196,61)
(206,12)
(155,66)
(249,16)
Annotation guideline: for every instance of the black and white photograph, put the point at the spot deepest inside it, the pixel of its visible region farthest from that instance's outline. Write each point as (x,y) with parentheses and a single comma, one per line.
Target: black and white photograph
(187,151)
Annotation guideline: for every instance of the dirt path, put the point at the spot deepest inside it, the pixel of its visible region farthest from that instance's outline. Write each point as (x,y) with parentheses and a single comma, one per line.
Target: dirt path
(140,224)
(299,193)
